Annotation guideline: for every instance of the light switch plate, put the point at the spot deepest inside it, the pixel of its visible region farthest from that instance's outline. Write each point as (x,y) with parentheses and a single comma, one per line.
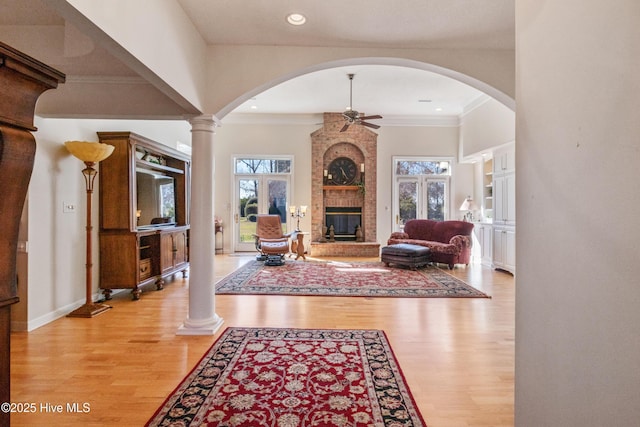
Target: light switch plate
(68,207)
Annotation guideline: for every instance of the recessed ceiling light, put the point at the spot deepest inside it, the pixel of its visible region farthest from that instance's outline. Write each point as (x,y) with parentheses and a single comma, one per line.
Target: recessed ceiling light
(439,109)
(254,107)
(296,19)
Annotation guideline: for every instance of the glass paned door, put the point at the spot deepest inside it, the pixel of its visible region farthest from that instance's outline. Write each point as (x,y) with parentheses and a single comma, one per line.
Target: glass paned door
(407,201)
(420,197)
(436,200)
(246,209)
(258,194)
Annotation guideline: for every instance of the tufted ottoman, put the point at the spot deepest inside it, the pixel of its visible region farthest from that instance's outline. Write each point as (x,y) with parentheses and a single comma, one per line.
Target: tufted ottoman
(404,254)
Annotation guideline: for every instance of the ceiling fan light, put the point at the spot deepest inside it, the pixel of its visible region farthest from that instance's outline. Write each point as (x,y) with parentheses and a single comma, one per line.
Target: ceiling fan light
(296,19)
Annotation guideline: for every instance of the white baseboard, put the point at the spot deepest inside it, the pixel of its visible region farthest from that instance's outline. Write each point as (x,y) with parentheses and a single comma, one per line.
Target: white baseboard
(32,324)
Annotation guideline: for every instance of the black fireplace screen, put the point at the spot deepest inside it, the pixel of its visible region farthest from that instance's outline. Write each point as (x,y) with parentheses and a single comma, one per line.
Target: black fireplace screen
(344,221)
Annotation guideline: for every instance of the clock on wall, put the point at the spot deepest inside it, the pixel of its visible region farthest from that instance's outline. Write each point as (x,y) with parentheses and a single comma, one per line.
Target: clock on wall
(343,171)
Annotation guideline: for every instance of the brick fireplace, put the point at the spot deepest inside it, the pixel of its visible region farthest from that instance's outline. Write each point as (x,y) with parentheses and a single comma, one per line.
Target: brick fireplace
(359,144)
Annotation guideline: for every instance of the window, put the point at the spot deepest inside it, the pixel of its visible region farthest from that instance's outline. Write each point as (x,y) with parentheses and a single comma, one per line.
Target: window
(421,189)
(167,200)
(248,166)
(422,167)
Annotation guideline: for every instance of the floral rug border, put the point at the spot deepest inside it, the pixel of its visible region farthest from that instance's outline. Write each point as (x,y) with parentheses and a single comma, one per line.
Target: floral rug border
(388,400)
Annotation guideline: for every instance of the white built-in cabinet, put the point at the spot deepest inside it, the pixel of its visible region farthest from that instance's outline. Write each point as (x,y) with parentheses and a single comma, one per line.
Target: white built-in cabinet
(504,209)
(484,237)
(504,160)
(504,248)
(504,199)
(504,186)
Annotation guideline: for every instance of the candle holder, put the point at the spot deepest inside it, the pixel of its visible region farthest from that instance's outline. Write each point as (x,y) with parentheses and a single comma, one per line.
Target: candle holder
(297,212)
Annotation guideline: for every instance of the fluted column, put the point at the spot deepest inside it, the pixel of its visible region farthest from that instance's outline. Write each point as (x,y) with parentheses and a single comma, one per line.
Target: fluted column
(202,318)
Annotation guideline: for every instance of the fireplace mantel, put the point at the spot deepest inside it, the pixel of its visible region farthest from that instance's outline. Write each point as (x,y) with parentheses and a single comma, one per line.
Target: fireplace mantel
(341,187)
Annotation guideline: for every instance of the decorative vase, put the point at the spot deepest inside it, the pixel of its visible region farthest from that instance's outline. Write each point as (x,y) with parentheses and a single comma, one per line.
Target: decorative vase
(332,234)
(359,237)
(323,236)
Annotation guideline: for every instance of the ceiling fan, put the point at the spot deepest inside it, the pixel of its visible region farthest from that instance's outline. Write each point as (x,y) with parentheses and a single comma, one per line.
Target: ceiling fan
(352,116)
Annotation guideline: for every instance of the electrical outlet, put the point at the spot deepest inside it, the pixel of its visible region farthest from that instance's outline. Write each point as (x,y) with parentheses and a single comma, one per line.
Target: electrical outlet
(68,207)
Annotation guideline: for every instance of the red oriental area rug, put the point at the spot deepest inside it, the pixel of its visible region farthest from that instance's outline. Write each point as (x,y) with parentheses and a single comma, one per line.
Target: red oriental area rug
(293,378)
(369,279)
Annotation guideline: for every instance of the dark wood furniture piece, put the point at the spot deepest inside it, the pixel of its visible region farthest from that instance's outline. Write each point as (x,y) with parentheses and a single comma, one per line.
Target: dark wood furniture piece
(406,255)
(135,249)
(297,245)
(22,81)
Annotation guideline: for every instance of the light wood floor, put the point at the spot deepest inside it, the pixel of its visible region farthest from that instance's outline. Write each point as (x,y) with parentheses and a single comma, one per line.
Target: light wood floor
(457,354)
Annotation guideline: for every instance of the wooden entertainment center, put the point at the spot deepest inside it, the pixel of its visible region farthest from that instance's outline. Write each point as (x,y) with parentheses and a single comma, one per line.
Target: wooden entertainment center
(144,213)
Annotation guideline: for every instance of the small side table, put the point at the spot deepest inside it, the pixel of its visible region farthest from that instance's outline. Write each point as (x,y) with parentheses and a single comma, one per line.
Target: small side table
(220,230)
(297,244)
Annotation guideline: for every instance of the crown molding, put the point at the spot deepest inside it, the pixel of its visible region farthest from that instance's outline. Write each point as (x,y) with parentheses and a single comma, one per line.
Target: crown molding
(317,120)
(478,102)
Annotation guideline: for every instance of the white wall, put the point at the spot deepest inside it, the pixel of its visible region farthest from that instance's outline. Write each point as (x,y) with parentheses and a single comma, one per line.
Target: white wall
(417,141)
(577,156)
(486,126)
(234,139)
(56,258)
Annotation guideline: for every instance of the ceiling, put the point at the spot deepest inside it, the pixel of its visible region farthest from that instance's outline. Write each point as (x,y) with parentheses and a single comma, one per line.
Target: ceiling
(392,91)
(461,24)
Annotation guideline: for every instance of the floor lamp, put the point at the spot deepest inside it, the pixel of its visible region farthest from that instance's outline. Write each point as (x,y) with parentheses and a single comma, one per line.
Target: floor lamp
(90,153)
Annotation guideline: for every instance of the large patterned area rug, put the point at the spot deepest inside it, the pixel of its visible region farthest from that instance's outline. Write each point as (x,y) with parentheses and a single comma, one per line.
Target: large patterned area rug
(371,279)
(293,378)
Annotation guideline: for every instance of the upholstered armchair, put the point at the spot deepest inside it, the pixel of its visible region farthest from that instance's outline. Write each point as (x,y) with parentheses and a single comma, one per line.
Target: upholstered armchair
(271,242)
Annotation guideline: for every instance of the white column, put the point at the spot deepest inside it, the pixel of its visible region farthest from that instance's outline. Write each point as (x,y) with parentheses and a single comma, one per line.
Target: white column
(202,319)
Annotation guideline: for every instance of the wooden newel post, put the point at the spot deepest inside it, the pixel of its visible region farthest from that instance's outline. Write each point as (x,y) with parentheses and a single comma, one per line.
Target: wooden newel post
(22,81)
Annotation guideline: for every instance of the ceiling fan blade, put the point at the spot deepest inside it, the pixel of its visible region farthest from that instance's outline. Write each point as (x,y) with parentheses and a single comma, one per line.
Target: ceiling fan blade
(345,127)
(377,116)
(369,125)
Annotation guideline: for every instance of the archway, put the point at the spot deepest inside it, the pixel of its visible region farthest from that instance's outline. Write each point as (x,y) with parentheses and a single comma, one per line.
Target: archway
(471,81)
